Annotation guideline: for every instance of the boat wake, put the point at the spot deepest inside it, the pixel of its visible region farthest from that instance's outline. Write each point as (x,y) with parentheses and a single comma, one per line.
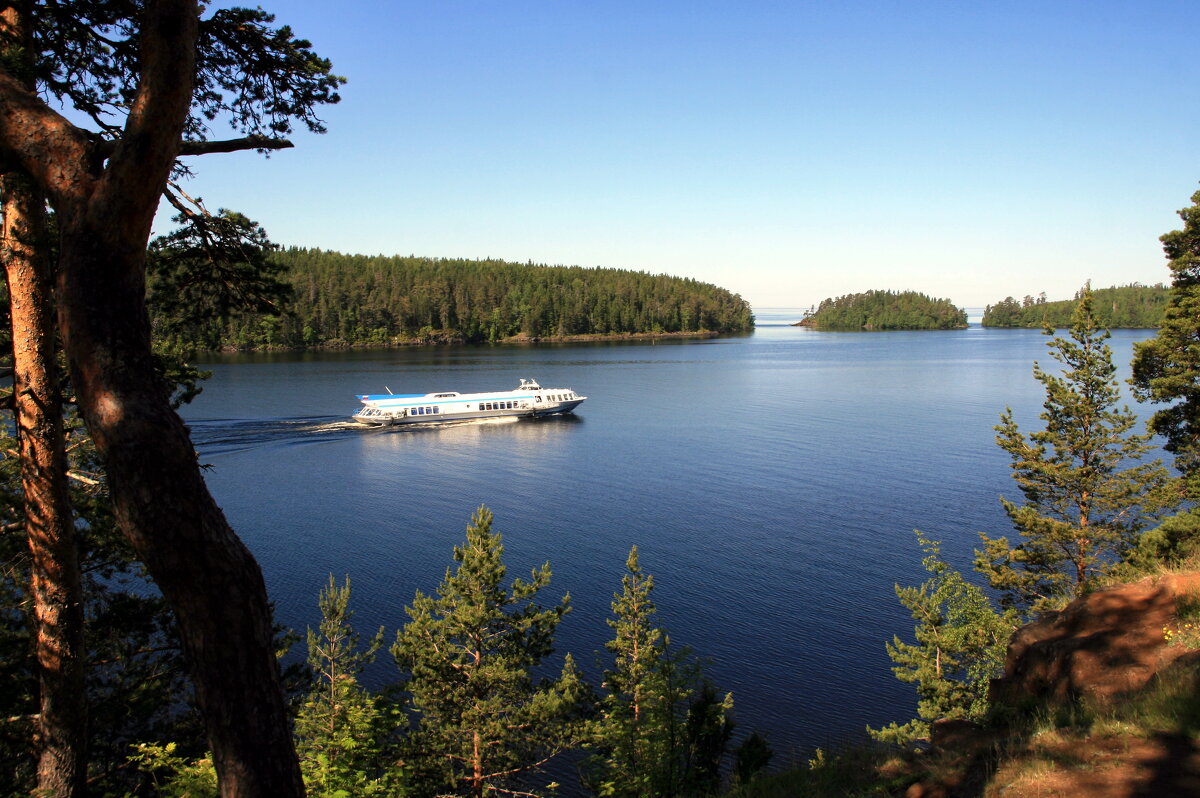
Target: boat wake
(216,436)
(229,435)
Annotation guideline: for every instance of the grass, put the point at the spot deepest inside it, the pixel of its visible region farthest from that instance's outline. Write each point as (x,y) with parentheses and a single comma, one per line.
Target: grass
(1185,631)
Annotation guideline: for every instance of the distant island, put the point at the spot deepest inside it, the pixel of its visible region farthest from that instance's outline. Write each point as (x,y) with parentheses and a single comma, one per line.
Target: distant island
(886,310)
(340,300)
(1126,306)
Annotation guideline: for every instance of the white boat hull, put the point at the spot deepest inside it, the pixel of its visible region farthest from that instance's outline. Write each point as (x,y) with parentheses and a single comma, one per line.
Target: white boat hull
(528,400)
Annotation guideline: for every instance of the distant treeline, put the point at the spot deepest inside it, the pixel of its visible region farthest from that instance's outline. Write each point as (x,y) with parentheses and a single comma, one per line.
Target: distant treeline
(347,300)
(886,310)
(1135,305)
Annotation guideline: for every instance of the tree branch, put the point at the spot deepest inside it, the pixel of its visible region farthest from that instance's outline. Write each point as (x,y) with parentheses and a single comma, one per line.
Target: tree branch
(105,148)
(233,145)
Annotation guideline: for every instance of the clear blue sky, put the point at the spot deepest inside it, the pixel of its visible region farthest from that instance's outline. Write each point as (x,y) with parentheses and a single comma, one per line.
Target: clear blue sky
(788,151)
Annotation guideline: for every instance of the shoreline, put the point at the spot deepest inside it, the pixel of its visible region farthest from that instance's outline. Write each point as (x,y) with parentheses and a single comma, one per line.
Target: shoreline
(448,340)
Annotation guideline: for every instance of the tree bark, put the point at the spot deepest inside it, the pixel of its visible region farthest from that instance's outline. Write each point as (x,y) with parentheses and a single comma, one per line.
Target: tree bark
(209,578)
(56,584)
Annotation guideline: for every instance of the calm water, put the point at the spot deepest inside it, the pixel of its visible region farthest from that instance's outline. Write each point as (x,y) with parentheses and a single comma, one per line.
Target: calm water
(771,483)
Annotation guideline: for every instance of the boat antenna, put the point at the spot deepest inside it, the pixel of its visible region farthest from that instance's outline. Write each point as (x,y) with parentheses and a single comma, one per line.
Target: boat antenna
(389,390)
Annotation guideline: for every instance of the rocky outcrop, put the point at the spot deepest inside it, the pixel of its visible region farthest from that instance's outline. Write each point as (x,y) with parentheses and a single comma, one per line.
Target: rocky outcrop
(1103,645)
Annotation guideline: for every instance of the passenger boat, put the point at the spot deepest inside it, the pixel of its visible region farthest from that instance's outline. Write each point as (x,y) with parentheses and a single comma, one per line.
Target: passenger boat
(527,399)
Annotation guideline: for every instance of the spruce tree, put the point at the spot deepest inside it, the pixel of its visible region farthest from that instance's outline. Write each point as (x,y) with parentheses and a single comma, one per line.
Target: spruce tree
(341,727)
(1087,496)
(960,646)
(484,725)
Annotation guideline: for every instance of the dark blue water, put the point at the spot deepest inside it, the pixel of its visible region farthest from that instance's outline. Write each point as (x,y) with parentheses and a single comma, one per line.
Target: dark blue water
(771,483)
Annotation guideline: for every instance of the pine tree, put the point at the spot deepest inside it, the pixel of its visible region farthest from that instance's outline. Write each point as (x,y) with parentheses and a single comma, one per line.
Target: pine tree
(631,734)
(1085,499)
(484,725)
(960,646)
(1166,368)
(341,726)
(662,729)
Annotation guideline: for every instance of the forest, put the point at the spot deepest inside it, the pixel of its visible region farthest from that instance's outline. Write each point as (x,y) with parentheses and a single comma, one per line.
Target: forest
(1125,306)
(359,300)
(886,310)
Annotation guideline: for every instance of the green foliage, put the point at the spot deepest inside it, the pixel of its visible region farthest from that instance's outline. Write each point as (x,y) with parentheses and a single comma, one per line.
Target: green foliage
(662,729)
(341,729)
(258,79)
(1126,306)
(887,310)
(1166,368)
(484,725)
(208,271)
(174,776)
(1087,495)
(342,300)
(1174,543)
(960,646)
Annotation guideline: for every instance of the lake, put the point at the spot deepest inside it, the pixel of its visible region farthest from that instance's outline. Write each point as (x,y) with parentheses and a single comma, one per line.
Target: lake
(771,483)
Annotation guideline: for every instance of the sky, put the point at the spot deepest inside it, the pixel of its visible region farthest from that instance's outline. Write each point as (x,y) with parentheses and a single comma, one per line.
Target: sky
(787,151)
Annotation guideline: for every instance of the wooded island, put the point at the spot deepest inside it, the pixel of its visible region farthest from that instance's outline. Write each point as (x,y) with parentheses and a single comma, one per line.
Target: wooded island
(1126,306)
(886,310)
(364,300)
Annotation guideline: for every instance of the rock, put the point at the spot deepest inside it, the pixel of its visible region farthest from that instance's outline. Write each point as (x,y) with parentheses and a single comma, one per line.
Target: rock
(958,736)
(1099,647)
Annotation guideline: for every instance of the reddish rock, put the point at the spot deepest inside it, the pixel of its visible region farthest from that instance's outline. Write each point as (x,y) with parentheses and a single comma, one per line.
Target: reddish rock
(1101,646)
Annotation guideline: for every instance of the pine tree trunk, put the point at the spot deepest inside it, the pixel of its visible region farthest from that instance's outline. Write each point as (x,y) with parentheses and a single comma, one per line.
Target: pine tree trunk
(209,578)
(56,585)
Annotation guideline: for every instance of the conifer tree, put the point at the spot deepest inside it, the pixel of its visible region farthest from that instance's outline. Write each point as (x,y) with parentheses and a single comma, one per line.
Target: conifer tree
(484,725)
(632,734)
(662,729)
(1166,368)
(960,646)
(1086,495)
(341,726)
